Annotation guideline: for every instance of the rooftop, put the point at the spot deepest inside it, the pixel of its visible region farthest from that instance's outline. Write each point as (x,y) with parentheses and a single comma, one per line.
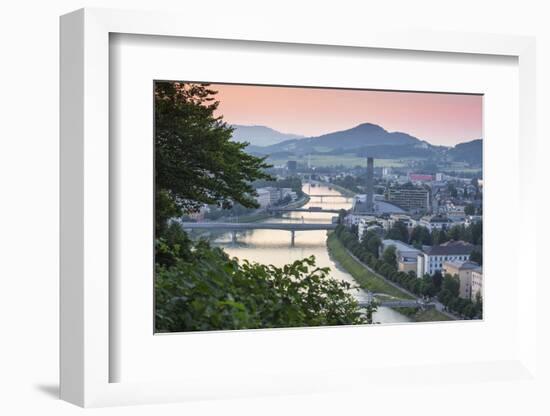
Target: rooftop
(400,246)
(450,248)
(436,218)
(380,207)
(464,265)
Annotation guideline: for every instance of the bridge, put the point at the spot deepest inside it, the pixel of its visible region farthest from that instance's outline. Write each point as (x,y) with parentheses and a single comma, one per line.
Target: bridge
(401,303)
(240,226)
(328,196)
(397,303)
(310,209)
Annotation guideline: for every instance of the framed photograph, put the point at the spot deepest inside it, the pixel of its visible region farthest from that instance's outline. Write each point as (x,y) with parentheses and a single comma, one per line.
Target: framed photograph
(341,222)
(275,214)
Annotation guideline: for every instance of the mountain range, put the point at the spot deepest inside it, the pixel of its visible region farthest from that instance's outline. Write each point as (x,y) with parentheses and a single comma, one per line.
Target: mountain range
(366,139)
(366,134)
(260,135)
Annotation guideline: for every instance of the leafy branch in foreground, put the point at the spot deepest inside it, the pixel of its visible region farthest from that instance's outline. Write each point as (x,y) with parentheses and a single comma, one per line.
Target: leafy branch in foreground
(213,292)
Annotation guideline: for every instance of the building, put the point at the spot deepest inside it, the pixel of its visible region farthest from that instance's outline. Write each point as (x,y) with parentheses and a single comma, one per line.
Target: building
(264,197)
(472,219)
(292,165)
(284,192)
(436,222)
(455,211)
(274,194)
(380,206)
(463,270)
(370,184)
(431,259)
(477,283)
(402,218)
(407,256)
(410,199)
(420,178)
(363,223)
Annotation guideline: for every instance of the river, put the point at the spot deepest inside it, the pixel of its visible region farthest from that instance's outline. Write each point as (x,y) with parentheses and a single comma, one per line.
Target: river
(274,247)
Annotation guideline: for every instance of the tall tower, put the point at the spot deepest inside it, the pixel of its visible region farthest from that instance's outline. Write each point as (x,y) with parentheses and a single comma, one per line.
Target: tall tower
(370,184)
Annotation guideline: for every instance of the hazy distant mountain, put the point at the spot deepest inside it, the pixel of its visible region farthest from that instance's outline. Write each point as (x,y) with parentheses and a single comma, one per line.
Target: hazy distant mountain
(470,152)
(363,140)
(260,135)
(360,136)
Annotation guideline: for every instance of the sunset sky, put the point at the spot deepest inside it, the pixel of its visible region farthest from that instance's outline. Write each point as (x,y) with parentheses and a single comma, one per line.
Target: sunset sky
(444,119)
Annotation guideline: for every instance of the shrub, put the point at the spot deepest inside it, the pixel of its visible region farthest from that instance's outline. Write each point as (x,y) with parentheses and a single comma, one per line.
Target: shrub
(213,292)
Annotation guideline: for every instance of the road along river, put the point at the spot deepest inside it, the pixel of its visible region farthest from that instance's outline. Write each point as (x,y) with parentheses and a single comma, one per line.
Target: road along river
(274,246)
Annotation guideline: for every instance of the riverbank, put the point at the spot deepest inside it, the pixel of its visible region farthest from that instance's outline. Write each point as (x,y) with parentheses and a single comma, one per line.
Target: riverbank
(371,281)
(424,315)
(344,191)
(364,277)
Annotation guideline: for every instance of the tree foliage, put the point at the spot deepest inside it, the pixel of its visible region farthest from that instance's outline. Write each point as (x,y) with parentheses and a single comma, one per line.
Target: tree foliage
(469,209)
(371,242)
(389,256)
(196,162)
(398,231)
(420,236)
(210,291)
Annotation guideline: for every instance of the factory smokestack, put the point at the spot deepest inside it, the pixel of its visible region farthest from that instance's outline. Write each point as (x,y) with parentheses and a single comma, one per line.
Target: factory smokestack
(370,184)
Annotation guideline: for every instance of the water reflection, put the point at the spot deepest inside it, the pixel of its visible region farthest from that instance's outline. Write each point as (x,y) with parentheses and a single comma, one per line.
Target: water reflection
(274,246)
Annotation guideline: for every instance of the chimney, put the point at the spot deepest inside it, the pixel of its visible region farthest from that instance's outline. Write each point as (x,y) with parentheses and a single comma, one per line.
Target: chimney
(370,185)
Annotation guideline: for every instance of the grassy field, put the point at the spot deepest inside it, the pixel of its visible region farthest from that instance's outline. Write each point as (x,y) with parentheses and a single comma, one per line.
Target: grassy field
(364,277)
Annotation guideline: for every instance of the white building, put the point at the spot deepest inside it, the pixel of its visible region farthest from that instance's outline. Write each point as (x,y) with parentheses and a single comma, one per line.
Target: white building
(431,259)
(407,256)
(286,191)
(436,222)
(263,198)
(477,283)
(363,223)
(370,223)
(455,212)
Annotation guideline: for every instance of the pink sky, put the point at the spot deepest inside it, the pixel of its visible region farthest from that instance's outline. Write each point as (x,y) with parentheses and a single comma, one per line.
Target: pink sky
(444,119)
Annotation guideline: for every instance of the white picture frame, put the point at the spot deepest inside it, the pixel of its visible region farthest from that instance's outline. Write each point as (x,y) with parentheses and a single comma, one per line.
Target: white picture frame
(85,352)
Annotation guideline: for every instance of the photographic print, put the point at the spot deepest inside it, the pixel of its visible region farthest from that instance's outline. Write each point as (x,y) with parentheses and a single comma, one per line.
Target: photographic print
(287,206)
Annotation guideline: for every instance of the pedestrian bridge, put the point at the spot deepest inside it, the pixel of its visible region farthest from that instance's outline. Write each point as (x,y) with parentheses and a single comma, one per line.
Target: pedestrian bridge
(397,303)
(402,303)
